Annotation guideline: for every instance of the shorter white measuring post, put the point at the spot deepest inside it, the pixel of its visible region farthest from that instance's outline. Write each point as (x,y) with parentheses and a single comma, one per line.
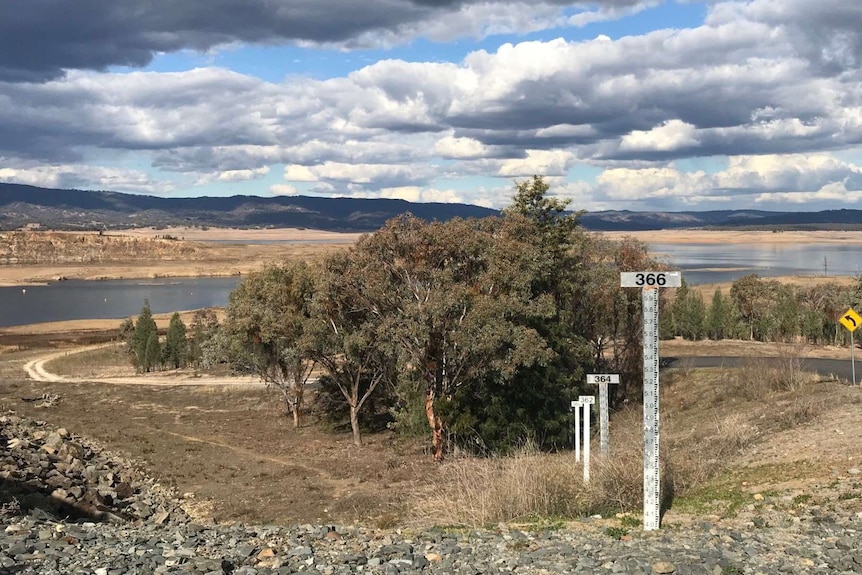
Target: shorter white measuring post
(649,282)
(851,320)
(602,380)
(586,401)
(576,405)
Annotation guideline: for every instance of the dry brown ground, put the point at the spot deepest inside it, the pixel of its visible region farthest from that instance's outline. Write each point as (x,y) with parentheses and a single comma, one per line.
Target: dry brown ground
(211,258)
(233,447)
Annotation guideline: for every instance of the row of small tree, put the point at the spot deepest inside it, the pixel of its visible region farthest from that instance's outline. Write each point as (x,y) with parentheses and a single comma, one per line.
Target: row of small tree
(763,310)
(481,329)
(147,351)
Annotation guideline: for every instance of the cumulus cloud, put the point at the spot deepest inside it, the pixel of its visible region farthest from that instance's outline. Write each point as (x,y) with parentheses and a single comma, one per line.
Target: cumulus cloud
(760,81)
(672,135)
(747,180)
(283,190)
(460,148)
(712,90)
(376,175)
(826,32)
(85,177)
(546,162)
(234,175)
(39,39)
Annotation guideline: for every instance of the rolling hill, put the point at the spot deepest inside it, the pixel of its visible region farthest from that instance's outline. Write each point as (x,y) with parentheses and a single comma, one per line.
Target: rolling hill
(59,209)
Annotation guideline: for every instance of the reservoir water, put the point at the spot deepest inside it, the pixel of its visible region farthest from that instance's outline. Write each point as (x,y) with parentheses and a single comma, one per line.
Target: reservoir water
(117,299)
(714,263)
(107,299)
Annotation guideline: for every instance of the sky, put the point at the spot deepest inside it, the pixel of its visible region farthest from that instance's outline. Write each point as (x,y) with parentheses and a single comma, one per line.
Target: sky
(620,104)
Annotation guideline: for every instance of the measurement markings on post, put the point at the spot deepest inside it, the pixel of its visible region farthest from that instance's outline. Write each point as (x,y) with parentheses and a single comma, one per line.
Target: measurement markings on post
(586,401)
(652,483)
(649,282)
(576,405)
(602,380)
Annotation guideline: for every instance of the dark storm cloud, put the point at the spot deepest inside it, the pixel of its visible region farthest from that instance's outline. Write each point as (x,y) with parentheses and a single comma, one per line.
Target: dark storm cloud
(41,38)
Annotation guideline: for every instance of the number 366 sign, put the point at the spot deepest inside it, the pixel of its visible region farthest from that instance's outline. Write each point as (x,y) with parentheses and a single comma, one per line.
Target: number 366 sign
(650,279)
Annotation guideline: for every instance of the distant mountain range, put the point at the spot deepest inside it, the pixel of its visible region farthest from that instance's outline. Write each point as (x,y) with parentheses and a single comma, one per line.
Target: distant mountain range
(21,205)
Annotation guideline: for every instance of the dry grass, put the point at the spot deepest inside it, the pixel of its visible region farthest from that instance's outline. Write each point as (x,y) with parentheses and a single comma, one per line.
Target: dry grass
(102,362)
(710,418)
(521,487)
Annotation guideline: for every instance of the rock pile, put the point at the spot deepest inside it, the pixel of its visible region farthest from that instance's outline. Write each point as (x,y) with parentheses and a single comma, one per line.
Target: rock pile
(144,531)
(63,474)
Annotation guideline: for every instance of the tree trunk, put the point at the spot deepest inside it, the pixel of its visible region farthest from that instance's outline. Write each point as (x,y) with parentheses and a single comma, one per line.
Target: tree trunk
(354,424)
(436,425)
(295,415)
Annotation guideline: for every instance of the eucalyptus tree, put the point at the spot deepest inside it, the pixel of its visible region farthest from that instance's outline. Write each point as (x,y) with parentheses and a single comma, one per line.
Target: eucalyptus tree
(349,330)
(203,328)
(454,299)
(267,317)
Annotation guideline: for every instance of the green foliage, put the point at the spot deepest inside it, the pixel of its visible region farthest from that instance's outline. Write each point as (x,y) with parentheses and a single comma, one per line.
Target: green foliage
(145,341)
(616,532)
(689,313)
(127,334)
(175,352)
(264,331)
(628,520)
(203,328)
(350,331)
(720,320)
(152,352)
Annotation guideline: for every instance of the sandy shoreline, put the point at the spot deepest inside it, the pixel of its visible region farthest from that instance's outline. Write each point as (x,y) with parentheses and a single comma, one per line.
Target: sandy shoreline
(246,251)
(739,237)
(244,256)
(242,235)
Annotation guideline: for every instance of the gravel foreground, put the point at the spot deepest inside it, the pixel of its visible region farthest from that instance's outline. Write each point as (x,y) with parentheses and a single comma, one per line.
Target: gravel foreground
(69,507)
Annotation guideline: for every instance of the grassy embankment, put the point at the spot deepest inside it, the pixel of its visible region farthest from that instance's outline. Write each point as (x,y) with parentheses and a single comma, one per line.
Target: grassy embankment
(727,434)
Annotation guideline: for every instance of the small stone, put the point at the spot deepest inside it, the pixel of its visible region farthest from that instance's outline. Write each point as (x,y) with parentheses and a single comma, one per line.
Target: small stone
(663,568)
(758,497)
(265,554)
(433,557)
(854,471)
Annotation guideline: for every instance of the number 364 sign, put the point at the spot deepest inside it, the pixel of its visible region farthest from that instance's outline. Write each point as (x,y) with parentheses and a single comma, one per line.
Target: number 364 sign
(650,279)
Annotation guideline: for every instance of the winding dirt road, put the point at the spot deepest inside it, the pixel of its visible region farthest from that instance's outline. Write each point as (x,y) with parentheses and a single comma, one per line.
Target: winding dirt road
(36,370)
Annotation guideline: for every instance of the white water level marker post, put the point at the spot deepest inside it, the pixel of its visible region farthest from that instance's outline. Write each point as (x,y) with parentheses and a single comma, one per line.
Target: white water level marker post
(649,282)
(602,380)
(586,401)
(576,405)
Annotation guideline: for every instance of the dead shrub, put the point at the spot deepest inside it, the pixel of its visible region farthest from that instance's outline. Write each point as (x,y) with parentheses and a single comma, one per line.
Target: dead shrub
(798,411)
(701,451)
(521,487)
(760,377)
(530,485)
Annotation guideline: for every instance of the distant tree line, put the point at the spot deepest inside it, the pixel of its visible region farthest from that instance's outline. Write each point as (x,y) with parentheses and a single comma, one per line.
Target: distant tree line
(181,347)
(764,310)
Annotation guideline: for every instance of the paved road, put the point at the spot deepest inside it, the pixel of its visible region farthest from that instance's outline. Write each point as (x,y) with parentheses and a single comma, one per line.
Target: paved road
(840,368)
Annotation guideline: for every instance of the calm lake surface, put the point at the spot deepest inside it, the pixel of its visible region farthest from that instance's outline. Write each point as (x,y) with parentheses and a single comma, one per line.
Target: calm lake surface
(713,263)
(106,299)
(117,299)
